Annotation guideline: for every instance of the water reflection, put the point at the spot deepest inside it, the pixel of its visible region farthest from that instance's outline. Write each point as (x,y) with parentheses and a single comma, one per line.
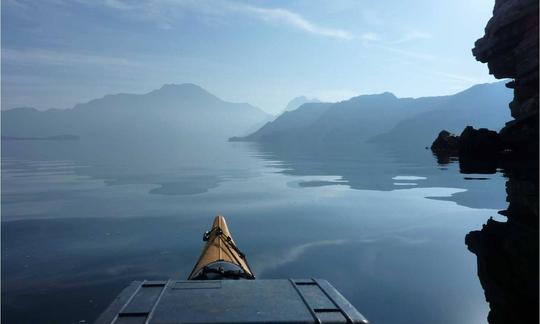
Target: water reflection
(373,167)
(507,251)
(78,225)
(166,166)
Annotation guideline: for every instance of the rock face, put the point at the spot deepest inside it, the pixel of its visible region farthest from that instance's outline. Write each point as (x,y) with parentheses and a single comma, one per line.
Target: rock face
(507,252)
(510,48)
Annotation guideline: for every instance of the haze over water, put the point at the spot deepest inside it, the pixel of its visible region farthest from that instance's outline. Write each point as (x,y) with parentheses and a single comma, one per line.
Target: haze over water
(82,219)
(128,125)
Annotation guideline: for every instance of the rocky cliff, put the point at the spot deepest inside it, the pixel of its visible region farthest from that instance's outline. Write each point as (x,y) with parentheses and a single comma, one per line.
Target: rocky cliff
(510,48)
(507,252)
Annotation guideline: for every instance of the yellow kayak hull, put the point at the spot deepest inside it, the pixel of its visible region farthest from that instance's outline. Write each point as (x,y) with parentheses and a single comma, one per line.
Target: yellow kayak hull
(220,255)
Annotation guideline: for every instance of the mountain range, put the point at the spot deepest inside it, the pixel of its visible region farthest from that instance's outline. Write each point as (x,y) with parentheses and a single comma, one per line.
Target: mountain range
(187,111)
(184,110)
(385,118)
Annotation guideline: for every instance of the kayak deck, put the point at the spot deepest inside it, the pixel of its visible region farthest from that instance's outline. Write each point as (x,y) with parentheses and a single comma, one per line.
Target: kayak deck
(220,258)
(277,301)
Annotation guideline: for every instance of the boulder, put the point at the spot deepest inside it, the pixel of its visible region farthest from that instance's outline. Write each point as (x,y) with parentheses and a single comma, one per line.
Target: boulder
(479,142)
(445,142)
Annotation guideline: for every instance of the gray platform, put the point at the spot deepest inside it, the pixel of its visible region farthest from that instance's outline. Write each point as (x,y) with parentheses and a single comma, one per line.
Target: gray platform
(231,301)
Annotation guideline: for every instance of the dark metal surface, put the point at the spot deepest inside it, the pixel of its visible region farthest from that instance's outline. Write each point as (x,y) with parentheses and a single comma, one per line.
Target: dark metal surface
(231,301)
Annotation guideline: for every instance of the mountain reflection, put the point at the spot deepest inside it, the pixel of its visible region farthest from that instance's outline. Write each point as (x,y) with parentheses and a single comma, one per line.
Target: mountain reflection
(385,168)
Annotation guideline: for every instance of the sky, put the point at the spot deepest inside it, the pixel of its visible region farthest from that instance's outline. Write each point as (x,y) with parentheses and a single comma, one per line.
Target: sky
(56,53)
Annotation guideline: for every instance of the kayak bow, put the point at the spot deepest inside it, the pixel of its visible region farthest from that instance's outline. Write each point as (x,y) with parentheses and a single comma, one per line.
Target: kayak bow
(220,258)
(218,300)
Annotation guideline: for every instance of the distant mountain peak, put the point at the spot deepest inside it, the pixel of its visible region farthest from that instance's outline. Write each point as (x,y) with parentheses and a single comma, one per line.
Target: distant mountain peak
(383,96)
(299,101)
(182,88)
(184,91)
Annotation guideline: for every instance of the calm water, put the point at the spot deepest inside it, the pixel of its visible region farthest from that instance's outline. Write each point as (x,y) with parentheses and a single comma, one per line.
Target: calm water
(80,220)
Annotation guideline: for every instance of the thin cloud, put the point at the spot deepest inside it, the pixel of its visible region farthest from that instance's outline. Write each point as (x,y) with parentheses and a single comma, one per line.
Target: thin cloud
(164,13)
(407,53)
(373,39)
(393,46)
(293,19)
(412,36)
(369,37)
